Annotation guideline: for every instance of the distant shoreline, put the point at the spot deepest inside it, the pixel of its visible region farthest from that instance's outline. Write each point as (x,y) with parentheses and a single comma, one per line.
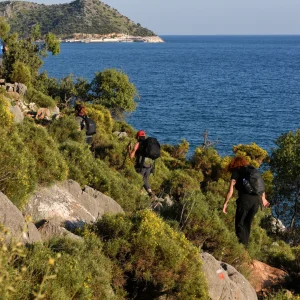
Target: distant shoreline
(116,39)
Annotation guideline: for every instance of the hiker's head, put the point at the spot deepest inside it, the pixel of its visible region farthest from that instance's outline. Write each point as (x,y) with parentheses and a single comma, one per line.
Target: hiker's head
(140,135)
(80,110)
(236,163)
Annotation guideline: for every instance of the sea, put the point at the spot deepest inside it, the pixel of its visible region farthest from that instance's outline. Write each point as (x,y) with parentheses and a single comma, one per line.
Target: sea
(238,89)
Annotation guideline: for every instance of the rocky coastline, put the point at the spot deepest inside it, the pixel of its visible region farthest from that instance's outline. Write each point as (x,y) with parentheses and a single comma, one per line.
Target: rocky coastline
(112,38)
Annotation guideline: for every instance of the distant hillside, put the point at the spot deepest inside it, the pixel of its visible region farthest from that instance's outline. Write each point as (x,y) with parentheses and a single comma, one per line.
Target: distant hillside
(79,16)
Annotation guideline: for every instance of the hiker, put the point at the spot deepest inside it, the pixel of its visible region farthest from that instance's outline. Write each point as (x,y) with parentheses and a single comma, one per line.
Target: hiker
(143,165)
(247,203)
(84,122)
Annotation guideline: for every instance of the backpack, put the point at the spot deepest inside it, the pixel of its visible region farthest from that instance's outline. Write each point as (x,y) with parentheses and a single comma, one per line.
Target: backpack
(150,148)
(253,182)
(90,125)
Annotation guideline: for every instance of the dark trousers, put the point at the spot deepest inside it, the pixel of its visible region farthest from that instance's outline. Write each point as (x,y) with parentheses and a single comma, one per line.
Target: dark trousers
(247,207)
(145,172)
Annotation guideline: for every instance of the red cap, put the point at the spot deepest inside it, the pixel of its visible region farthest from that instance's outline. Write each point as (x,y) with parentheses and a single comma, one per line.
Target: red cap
(140,133)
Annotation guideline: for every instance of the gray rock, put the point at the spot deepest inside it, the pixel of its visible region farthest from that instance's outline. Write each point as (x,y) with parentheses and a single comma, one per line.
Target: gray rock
(65,203)
(12,219)
(120,134)
(225,282)
(273,225)
(18,115)
(50,229)
(10,87)
(32,106)
(21,88)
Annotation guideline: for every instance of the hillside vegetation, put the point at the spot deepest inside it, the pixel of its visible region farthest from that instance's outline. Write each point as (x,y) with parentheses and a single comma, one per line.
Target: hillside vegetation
(79,16)
(141,252)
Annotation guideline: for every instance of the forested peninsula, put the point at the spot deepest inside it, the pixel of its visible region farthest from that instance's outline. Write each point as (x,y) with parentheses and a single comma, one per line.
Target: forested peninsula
(91,17)
(75,222)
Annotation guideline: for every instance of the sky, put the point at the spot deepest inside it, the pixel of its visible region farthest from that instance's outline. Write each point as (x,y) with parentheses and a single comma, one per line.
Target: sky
(209,17)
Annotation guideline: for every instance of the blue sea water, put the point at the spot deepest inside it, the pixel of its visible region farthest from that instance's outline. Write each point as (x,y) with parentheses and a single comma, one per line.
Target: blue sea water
(242,89)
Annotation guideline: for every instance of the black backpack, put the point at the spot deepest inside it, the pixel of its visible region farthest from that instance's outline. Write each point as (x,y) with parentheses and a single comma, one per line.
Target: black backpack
(253,182)
(150,148)
(90,125)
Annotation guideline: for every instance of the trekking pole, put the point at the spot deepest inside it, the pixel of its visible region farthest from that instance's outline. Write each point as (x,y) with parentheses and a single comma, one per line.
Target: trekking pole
(127,151)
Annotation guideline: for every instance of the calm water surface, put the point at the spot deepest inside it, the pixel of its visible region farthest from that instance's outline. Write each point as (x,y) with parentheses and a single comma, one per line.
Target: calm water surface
(242,89)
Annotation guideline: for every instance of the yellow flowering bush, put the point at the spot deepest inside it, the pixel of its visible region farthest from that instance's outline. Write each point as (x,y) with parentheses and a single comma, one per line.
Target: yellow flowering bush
(253,153)
(6,117)
(156,259)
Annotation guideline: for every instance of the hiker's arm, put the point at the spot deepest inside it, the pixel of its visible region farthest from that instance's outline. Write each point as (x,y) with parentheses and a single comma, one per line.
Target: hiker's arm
(135,148)
(78,120)
(229,195)
(265,202)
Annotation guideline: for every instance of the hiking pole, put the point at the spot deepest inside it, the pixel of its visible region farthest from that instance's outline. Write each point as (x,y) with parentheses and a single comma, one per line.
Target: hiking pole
(127,151)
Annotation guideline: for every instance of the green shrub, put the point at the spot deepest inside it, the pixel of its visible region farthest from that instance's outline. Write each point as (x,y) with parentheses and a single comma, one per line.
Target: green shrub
(49,163)
(17,173)
(39,98)
(80,161)
(181,183)
(208,161)
(253,153)
(113,90)
(203,226)
(61,270)
(177,154)
(6,116)
(66,128)
(156,259)
(21,73)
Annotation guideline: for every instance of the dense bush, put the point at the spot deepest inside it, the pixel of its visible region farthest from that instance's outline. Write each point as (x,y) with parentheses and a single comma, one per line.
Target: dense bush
(49,163)
(39,98)
(113,90)
(201,222)
(62,269)
(155,260)
(253,153)
(65,128)
(21,73)
(17,174)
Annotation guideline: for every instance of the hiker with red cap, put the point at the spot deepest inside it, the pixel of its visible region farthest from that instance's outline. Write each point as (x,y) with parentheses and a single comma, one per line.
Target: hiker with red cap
(146,150)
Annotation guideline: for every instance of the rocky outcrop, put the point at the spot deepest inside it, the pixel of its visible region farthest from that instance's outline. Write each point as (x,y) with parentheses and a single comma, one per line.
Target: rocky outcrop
(16,87)
(66,203)
(12,219)
(225,282)
(263,276)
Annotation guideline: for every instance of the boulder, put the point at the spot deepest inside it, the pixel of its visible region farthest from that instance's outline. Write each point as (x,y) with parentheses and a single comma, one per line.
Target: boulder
(12,219)
(120,134)
(225,282)
(263,276)
(50,229)
(43,113)
(18,115)
(67,204)
(20,88)
(10,87)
